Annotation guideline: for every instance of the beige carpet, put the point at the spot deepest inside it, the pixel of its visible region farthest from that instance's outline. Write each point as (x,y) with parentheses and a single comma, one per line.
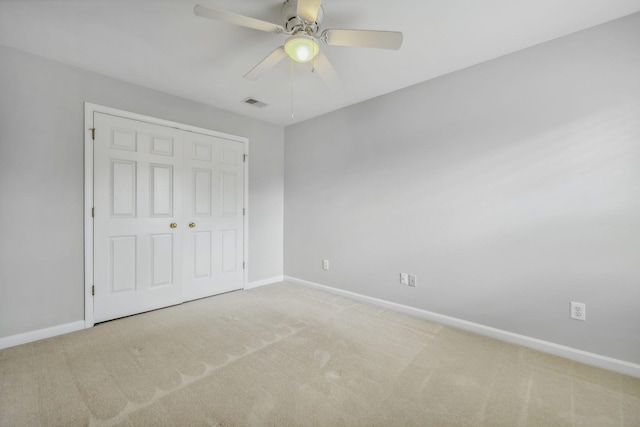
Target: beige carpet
(288,355)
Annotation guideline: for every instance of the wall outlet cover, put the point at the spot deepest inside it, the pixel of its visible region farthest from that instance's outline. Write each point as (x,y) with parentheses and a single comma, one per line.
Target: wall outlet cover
(578,311)
(404,279)
(412,280)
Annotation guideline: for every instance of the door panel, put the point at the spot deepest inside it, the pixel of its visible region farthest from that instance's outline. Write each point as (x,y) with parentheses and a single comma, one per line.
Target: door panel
(229,255)
(162,145)
(123,188)
(201,192)
(161,178)
(162,259)
(122,263)
(123,139)
(202,254)
(229,206)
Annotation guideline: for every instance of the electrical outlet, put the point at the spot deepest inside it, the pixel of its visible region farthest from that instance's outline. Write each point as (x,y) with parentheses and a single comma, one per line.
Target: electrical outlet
(412,280)
(404,279)
(325,264)
(578,311)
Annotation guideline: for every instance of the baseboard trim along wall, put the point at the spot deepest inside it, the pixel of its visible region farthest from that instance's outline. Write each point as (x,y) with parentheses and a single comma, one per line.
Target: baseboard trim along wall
(264,282)
(40,334)
(577,355)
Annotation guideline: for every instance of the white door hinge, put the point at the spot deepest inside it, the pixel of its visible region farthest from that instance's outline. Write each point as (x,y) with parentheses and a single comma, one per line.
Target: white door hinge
(245,157)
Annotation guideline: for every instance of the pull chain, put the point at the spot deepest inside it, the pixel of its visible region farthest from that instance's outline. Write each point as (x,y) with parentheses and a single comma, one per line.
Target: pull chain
(291,88)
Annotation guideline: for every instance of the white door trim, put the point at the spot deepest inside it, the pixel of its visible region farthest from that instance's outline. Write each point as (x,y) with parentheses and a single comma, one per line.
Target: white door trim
(89,109)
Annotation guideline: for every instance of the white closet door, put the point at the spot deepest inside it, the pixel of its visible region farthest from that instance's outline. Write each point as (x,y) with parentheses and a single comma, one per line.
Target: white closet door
(168,223)
(137,197)
(214,200)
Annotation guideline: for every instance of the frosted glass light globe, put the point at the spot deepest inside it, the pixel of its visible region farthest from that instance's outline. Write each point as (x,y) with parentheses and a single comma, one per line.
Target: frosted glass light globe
(301,48)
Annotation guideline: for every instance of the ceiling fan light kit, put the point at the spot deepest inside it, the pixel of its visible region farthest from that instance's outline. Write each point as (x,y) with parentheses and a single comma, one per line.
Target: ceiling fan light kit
(302,19)
(301,48)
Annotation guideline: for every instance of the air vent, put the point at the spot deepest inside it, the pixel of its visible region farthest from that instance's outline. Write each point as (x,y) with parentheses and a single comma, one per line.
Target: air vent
(254,102)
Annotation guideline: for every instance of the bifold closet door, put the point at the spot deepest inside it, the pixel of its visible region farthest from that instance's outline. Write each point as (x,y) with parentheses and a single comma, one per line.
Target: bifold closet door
(137,235)
(168,222)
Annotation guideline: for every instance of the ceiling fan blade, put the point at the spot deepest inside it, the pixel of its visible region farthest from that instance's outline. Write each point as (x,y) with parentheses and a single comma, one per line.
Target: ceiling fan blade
(308,9)
(232,18)
(364,38)
(325,70)
(266,64)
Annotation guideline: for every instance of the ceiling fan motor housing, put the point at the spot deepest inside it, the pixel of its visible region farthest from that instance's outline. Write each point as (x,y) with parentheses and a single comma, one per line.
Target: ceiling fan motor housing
(293,23)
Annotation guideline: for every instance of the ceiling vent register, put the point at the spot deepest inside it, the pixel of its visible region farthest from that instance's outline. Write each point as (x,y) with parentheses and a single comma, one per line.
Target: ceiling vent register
(254,102)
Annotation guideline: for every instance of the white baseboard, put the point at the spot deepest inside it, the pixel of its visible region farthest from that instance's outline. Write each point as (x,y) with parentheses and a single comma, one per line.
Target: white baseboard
(264,282)
(40,334)
(577,355)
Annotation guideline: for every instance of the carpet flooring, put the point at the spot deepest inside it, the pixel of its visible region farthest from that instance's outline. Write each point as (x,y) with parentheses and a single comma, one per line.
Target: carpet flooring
(286,355)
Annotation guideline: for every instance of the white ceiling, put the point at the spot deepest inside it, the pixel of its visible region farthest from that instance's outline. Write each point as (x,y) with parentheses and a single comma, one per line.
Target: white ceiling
(162,45)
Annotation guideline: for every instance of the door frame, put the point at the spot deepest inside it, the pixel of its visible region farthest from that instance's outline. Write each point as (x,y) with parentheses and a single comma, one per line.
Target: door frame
(89,110)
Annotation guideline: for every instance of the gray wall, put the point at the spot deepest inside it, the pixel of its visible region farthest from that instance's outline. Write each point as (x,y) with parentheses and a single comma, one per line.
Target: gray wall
(509,188)
(41,183)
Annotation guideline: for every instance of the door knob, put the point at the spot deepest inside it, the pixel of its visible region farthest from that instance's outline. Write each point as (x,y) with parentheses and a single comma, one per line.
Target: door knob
(173,225)
(192,224)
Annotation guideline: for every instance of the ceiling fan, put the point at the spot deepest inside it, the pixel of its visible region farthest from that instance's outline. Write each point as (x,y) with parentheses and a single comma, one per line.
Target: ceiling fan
(301,22)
